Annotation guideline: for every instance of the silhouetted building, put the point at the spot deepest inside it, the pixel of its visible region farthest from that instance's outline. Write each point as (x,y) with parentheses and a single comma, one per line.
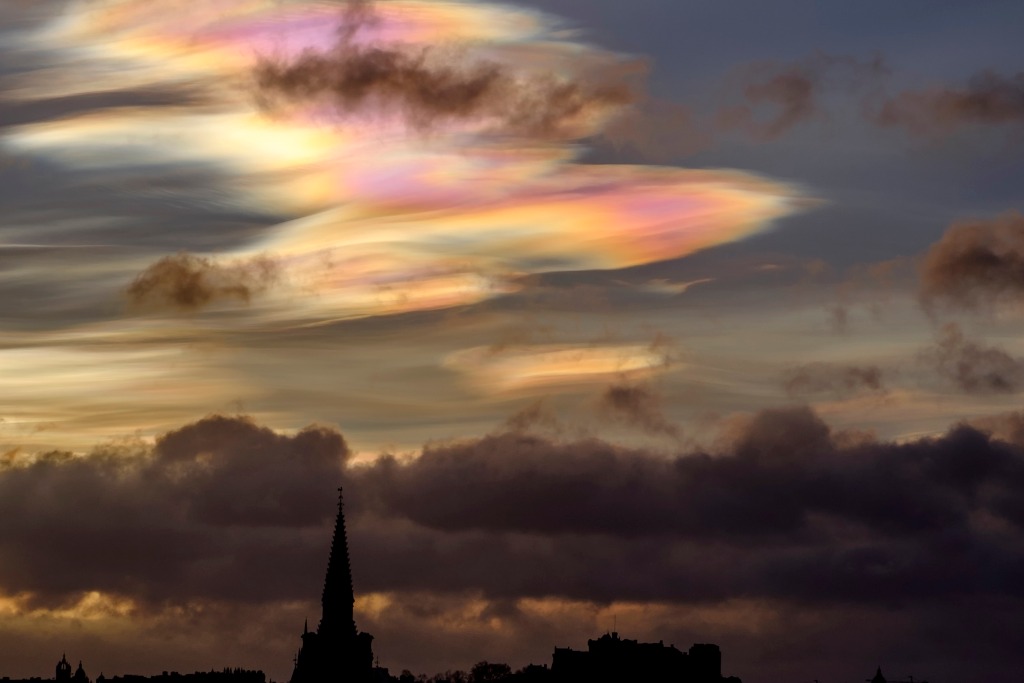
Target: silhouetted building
(224,676)
(63,672)
(611,659)
(336,652)
(879,678)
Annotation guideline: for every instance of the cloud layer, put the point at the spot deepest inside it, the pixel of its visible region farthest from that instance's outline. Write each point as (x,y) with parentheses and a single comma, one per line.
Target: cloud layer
(211,511)
(233,515)
(789,511)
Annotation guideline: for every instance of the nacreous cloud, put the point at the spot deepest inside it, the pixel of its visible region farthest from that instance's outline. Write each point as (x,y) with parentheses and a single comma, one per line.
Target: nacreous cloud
(427,152)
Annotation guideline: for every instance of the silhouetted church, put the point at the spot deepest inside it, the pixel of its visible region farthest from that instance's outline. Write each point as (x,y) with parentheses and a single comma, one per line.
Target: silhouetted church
(879,678)
(336,652)
(63,673)
(611,659)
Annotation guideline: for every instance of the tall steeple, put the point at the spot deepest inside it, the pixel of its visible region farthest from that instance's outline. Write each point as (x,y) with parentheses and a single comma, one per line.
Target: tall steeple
(336,652)
(338,597)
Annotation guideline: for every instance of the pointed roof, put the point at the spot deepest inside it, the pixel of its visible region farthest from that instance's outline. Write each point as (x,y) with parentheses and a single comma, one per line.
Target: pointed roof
(338,596)
(879,678)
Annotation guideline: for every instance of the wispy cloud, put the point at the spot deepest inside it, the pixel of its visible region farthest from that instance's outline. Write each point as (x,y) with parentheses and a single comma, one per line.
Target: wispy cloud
(828,378)
(989,98)
(973,367)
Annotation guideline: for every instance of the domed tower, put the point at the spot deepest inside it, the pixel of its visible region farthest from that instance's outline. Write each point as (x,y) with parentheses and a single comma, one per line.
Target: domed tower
(63,669)
(79,676)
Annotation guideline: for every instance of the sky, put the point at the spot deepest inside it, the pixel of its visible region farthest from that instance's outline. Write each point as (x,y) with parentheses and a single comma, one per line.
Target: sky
(699,319)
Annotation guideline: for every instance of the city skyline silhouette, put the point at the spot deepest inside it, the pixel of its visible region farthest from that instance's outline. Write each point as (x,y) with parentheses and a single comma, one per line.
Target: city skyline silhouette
(632,329)
(338,652)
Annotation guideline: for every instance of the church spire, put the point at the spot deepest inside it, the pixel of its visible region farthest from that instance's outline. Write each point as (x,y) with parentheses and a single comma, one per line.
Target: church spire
(336,652)
(338,596)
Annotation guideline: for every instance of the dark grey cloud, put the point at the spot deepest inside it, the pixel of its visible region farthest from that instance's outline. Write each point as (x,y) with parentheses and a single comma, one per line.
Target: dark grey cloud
(761,100)
(783,469)
(830,378)
(775,97)
(972,367)
(975,264)
(771,98)
(778,96)
(1006,427)
(233,515)
(792,91)
(536,416)
(437,84)
(638,405)
(786,513)
(220,509)
(989,98)
(223,509)
(186,282)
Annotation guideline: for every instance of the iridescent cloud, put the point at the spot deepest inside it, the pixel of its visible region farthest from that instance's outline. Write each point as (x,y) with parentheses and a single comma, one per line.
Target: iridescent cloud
(396,217)
(374,212)
(493,370)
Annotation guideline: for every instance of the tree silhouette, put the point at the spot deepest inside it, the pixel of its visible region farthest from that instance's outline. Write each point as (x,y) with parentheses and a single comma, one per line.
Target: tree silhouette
(484,672)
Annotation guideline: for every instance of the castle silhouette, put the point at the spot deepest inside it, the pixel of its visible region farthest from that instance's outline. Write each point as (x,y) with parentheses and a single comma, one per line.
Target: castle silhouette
(612,659)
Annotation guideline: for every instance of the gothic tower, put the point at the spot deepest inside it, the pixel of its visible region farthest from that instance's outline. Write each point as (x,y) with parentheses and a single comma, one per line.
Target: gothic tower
(336,652)
(63,669)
